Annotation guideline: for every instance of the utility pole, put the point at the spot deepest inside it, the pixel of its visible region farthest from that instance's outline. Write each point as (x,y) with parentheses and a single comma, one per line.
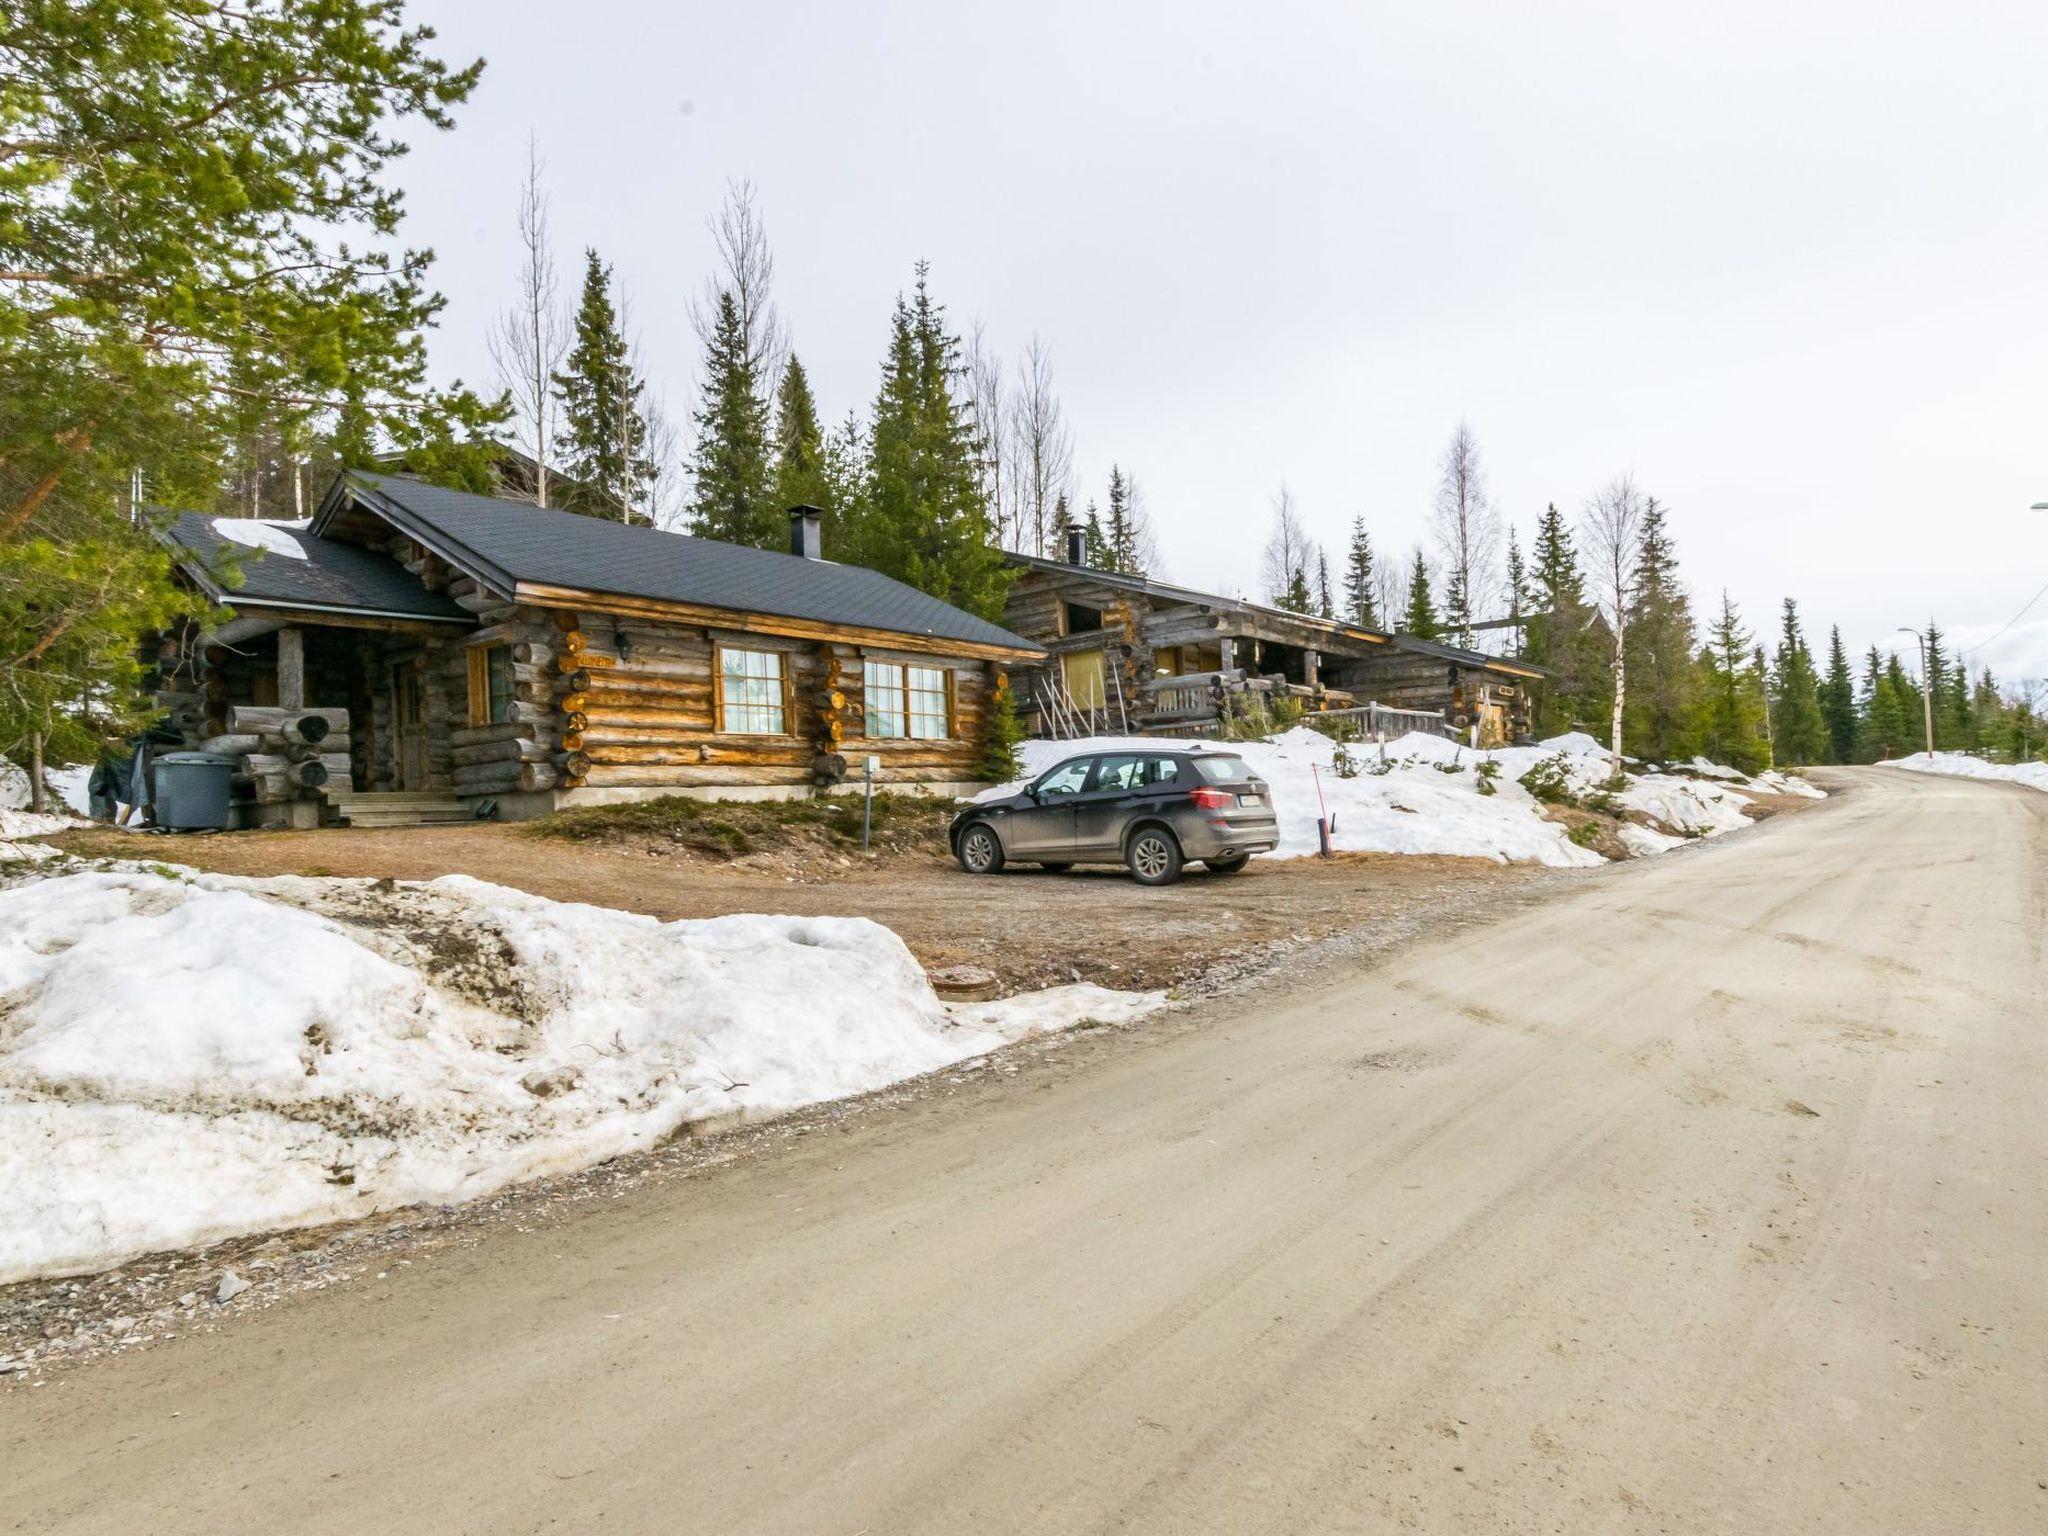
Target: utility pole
(1926,687)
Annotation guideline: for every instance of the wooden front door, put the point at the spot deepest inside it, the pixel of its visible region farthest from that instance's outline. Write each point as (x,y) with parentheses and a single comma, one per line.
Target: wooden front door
(409,726)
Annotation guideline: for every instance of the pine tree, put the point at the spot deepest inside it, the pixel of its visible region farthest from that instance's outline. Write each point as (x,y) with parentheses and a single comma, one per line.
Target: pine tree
(1838,701)
(798,476)
(1056,528)
(1297,598)
(1001,731)
(1731,714)
(1936,683)
(1885,727)
(1361,605)
(924,519)
(1962,713)
(1098,541)
(1663,690)
(1326,605)
(604,431)
(1799,733)
(1420,620)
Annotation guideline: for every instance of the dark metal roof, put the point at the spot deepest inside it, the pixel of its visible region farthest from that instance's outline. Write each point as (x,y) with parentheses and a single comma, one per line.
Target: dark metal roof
(333,576)
(1475,659)
(502,543)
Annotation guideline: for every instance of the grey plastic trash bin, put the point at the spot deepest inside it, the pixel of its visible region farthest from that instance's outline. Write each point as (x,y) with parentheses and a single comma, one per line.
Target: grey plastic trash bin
(193,791)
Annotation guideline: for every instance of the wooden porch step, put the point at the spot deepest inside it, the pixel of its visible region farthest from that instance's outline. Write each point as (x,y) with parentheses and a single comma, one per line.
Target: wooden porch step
(400,808)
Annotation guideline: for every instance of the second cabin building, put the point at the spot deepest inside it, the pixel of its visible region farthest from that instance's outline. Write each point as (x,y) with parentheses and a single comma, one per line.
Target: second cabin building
(1128,653)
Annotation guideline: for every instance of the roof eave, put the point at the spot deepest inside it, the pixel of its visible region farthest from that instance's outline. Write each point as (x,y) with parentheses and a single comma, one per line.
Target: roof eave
(348,484)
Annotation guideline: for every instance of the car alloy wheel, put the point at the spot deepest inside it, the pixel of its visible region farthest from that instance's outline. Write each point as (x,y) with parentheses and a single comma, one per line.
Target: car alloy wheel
(1153,858)
(980,853)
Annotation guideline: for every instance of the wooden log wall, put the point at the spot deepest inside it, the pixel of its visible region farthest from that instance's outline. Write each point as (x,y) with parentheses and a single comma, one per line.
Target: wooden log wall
(517,755)
(636,702)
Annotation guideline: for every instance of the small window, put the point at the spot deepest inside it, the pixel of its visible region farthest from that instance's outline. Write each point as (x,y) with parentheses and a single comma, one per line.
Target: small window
(887,714)
(750,693)
(927,703)
(913,702)
(1079,619)
(490,685)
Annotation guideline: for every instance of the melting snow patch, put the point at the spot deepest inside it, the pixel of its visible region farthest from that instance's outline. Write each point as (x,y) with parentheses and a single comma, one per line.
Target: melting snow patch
(1962,765)
(1427,795)
(186,1058)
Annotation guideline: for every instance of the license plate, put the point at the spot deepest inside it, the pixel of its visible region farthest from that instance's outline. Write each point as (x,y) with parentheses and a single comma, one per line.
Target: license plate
(1251,800)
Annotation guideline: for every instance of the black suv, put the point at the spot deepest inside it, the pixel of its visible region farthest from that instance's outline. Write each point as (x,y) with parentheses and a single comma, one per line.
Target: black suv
(1148,808)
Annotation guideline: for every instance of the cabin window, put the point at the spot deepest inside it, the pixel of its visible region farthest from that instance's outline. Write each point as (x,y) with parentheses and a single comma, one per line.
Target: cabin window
(1079,619)
(1187,660)
(490,684)
(751,697)
(905,701)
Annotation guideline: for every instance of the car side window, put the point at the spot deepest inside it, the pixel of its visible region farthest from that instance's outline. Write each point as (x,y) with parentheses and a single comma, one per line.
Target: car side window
(1067,779)
(1121,773)
(1162,770)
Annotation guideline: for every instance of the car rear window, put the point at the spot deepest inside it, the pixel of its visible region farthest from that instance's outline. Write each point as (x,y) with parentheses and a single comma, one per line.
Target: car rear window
(1223,770)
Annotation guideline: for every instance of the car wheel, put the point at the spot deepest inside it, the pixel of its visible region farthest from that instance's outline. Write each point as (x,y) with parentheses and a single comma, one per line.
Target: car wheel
(1153,857)
(981,851)
(1055,868)
(1228,866)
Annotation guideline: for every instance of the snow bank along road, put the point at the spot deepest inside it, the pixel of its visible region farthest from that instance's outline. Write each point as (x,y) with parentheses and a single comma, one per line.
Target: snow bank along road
(1708,1198)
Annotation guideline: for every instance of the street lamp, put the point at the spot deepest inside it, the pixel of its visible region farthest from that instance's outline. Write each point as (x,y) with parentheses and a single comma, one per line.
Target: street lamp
(1926,687)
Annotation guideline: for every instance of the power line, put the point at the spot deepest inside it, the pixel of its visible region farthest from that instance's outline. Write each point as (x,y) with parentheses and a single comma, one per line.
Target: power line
(2008,624)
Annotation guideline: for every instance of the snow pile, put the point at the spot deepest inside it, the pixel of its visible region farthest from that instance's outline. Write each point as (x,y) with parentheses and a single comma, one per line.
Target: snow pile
(185,1058)
(1431,795)
(273,538)
(1962,765)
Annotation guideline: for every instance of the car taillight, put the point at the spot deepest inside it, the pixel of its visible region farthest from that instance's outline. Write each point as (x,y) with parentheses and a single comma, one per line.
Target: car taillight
(1212,799)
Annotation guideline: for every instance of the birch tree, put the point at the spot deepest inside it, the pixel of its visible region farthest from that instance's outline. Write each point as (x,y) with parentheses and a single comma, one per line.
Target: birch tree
(1467,529)
(1284,563)
(530,338)
(1610,542)
(985,387)
(746,270)
(1041,453)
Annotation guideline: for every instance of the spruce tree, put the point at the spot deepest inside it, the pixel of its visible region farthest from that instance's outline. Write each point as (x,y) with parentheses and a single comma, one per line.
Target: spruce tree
(1731,715)
(1563,635)
(1663,690)
(1297,598)
(1517,595)
(1361,604)
(799,475)
(733,499)
(1799,734)
(603,439)
(1962,714)
(1099,554)
(1838,701)
(925,519)
(1121,529)
(1326,603)
(1420,620)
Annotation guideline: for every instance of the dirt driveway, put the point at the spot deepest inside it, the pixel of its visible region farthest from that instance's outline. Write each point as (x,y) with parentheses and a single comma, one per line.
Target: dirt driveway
(1030,928)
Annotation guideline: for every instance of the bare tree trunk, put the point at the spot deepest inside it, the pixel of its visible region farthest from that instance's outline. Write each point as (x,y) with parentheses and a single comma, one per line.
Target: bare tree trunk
(530,339)
(1040,448)
(1468,534)
(38,799)
(1612,532)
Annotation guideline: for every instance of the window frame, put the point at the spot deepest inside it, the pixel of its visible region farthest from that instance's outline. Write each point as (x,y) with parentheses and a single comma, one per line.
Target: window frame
(784,705)
(482,708)
(906,716)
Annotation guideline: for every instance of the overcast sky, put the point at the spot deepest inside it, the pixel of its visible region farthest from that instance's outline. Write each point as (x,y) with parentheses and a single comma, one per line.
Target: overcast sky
(1788,263)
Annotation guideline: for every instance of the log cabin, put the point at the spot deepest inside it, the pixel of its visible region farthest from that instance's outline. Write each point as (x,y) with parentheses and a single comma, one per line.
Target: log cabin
(451,655)
(1130,653)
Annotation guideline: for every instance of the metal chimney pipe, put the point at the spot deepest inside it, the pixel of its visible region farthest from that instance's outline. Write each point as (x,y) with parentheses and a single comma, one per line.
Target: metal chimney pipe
(805,540)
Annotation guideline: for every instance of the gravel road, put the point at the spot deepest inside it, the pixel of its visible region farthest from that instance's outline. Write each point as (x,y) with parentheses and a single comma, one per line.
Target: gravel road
(1709,1196)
